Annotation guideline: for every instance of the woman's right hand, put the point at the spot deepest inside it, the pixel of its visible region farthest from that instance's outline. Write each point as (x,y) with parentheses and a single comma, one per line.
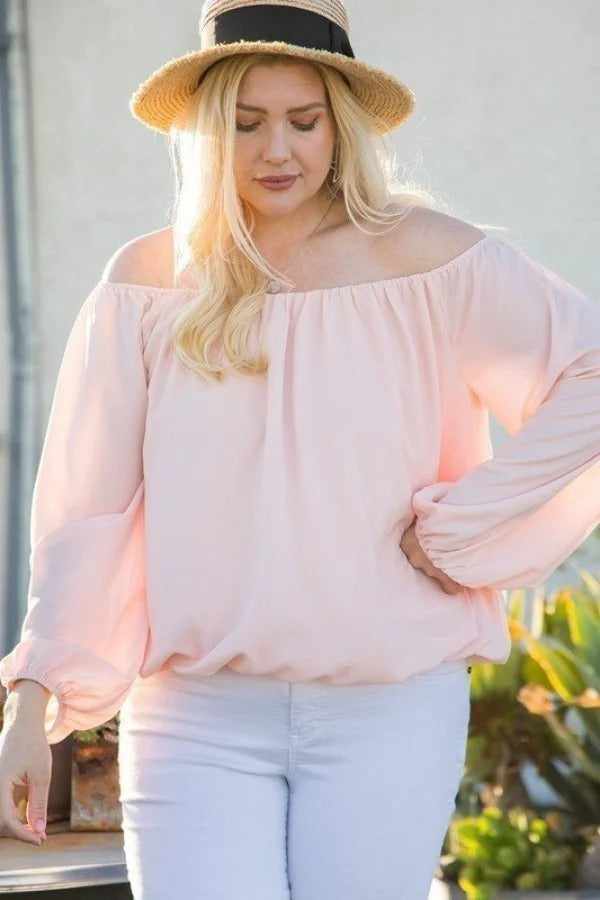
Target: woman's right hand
(418,559)
(25,761)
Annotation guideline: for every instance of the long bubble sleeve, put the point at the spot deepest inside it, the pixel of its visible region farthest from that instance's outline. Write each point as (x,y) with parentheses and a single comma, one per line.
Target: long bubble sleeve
(526,343)
(85,630)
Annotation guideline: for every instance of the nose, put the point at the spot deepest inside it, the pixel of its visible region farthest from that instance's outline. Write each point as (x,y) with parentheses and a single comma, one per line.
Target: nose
(276,149)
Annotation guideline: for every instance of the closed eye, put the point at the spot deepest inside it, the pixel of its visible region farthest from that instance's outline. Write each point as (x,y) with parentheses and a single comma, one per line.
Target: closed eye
(299,125)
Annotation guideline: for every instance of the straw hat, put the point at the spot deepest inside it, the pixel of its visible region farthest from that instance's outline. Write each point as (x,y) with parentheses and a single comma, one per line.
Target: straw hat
(315,30)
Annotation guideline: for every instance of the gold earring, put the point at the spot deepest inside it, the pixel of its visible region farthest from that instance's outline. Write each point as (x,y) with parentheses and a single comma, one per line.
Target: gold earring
(334,166)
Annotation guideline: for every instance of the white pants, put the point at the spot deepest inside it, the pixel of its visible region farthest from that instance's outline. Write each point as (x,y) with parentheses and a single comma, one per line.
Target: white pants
(239,787)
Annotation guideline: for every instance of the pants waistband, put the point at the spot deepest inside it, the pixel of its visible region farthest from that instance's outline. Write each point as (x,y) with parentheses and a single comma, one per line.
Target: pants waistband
(227,676)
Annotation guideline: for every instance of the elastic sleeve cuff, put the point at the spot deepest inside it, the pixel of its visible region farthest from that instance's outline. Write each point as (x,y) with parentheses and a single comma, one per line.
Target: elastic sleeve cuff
(77,703)
(56,721)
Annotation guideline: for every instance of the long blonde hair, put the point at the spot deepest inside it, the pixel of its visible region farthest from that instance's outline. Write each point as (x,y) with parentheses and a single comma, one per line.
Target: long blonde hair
(212,228)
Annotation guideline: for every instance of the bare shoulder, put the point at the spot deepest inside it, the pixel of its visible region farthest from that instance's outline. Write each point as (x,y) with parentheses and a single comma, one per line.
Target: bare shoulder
(444,230)
(428,238)
(144,260)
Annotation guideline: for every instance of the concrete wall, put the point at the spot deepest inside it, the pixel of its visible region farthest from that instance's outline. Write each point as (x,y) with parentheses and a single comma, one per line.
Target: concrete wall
(505,129)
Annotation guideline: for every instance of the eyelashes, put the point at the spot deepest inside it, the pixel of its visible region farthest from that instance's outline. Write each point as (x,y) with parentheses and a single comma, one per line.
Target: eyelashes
(298,125)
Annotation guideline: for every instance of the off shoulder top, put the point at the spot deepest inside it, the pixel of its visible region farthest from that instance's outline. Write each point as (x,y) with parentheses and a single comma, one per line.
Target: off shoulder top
(255,523)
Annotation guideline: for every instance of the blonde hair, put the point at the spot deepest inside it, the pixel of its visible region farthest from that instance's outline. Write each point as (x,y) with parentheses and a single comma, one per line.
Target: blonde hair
(211,236)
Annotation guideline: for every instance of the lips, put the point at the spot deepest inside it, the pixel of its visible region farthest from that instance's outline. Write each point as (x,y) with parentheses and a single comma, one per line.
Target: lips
(277,179)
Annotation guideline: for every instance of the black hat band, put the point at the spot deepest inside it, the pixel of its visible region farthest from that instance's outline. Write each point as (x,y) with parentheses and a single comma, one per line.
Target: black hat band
(271,22)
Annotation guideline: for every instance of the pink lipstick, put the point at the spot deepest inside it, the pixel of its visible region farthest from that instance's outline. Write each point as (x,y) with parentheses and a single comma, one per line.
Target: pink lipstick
(278,182)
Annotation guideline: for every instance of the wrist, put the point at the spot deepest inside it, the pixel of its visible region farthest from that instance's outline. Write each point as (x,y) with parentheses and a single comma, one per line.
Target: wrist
(27,699)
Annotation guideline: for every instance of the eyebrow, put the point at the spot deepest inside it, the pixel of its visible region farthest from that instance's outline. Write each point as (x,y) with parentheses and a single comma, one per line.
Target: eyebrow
(292,109)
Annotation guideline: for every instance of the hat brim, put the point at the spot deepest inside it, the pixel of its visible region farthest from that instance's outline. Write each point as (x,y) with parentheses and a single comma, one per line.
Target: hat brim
(158,100)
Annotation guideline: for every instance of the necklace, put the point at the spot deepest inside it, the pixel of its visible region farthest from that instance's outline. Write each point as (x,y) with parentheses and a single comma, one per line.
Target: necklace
(273,284)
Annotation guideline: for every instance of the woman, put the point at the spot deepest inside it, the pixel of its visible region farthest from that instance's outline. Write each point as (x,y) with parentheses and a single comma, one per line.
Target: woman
(266,524)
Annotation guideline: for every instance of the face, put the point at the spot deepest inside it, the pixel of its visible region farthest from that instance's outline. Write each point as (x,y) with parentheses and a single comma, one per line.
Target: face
(276,136)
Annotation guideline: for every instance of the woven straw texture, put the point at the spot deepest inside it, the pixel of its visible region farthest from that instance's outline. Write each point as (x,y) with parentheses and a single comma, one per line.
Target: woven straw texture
(159,99)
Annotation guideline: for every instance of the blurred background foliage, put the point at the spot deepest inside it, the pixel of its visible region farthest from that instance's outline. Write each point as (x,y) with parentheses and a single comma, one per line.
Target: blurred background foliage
(528,808)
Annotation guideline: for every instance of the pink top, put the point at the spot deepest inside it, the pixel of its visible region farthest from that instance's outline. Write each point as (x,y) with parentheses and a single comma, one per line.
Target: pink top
(255,523)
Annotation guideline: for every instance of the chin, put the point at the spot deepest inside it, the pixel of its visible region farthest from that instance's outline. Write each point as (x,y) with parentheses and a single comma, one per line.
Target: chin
(276,200)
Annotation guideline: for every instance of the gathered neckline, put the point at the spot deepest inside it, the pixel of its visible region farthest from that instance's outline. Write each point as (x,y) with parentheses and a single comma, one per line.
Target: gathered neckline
(334,289)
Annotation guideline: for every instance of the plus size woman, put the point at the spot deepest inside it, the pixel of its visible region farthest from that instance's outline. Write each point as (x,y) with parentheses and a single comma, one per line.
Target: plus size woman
(267,525)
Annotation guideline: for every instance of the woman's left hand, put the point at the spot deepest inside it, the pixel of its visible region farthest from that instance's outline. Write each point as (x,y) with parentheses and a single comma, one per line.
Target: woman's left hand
(419,560)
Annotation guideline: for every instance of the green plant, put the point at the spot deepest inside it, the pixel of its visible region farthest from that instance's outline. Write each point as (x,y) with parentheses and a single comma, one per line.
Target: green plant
(515,849)
(539,712)
(108,731)
(540,709)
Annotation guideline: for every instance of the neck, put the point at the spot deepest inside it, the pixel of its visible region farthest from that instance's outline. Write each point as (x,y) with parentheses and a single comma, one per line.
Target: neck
(282,233)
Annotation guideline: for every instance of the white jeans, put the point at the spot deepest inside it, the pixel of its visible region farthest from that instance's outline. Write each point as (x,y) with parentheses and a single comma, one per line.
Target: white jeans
(239,787)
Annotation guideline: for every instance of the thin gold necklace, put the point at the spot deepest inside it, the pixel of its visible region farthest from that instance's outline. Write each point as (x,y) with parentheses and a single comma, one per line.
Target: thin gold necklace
(274,285)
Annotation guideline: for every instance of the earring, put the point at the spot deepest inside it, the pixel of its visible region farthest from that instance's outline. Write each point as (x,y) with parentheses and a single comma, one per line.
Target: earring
(335,164)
